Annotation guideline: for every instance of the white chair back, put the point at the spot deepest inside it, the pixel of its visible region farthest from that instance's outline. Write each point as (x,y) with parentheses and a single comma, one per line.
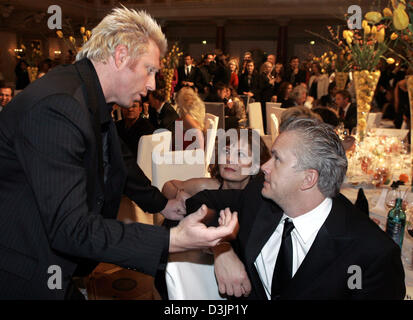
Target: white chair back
(181,165)
(159,141)
(211,126)
(274,126)
(255,117)
(217,109)
(373,120)
(271,107)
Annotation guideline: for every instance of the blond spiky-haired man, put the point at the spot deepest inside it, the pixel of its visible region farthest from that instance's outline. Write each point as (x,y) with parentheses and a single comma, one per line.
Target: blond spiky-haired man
(63,170)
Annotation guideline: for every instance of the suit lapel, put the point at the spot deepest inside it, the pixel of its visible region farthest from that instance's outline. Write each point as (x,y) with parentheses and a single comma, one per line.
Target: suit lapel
(328,245)
(266,221)
(90,92)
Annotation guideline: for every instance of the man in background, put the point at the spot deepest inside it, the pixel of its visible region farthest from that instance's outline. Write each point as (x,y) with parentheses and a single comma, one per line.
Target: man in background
(6,94)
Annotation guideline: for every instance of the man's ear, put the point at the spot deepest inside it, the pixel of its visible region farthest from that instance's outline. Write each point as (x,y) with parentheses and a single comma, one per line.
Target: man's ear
(121,56)
(310,179)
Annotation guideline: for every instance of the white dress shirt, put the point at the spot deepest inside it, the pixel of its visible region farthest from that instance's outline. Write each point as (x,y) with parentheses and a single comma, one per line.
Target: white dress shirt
(346,109)
(188,69)
(305,230)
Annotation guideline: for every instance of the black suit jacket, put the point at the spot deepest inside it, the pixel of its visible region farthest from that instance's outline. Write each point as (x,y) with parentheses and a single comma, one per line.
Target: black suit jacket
(253,87)
(132,135)
(295,79)
(347,237)
(54,207)
(194,76)
(350,119)
(265,88)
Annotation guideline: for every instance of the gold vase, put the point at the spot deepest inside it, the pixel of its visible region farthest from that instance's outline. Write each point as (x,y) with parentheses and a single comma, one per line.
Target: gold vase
(168,74)
(365,83)
(32,73)
(341,80)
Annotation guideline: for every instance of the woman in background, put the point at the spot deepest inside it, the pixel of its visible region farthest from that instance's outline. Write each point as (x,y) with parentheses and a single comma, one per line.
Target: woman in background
(284,95)
(233,67)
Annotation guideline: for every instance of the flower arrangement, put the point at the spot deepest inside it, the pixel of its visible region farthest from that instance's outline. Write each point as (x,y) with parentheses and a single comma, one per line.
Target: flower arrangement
(169,64)
(71,41)
(402,28)
(367,46)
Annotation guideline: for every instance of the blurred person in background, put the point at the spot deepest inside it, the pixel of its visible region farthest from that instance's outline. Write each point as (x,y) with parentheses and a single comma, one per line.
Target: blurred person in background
(6,94)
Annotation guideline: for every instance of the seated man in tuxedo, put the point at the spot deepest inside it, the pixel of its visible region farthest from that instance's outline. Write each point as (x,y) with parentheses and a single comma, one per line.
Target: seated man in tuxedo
(161,113)
(347,111)
(298,237)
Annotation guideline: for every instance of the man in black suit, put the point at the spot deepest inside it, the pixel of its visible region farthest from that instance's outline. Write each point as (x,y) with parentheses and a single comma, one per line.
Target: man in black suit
(347,111)
(189,75)
(294,74)
(161,113)
(62,173)
(298,237)
(133,126)
(249,82)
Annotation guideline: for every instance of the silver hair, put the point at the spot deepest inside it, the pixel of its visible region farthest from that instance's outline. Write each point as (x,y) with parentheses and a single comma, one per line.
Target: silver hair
(318,147)
(123,26)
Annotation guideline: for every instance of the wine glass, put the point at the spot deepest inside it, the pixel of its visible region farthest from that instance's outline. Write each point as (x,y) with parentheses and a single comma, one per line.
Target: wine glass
(391,197)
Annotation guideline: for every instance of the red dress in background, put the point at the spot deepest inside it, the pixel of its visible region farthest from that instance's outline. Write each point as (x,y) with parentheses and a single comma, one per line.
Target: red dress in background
(233,82)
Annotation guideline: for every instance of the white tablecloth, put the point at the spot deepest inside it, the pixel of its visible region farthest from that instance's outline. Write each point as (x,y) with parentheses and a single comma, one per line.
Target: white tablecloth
(190,276)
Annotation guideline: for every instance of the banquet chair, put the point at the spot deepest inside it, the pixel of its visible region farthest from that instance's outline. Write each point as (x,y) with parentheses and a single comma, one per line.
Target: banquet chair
(274,126)
(130,212)
(181,165)
(188,275)
(217,109)
(160,140)
(211,126)
(255,117)
(272,107)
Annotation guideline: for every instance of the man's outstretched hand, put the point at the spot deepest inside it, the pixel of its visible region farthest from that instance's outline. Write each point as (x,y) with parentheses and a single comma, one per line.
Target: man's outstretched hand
(191,233)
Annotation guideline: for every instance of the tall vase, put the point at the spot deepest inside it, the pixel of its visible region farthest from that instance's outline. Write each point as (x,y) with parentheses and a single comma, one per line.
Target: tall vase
(409,82)
(365,83)
(32,71)
(168,74)
(341,80)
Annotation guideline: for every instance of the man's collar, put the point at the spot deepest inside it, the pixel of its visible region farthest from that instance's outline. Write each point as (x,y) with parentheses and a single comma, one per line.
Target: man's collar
(346,107)
(160,109)
(104,108)
(310,222)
